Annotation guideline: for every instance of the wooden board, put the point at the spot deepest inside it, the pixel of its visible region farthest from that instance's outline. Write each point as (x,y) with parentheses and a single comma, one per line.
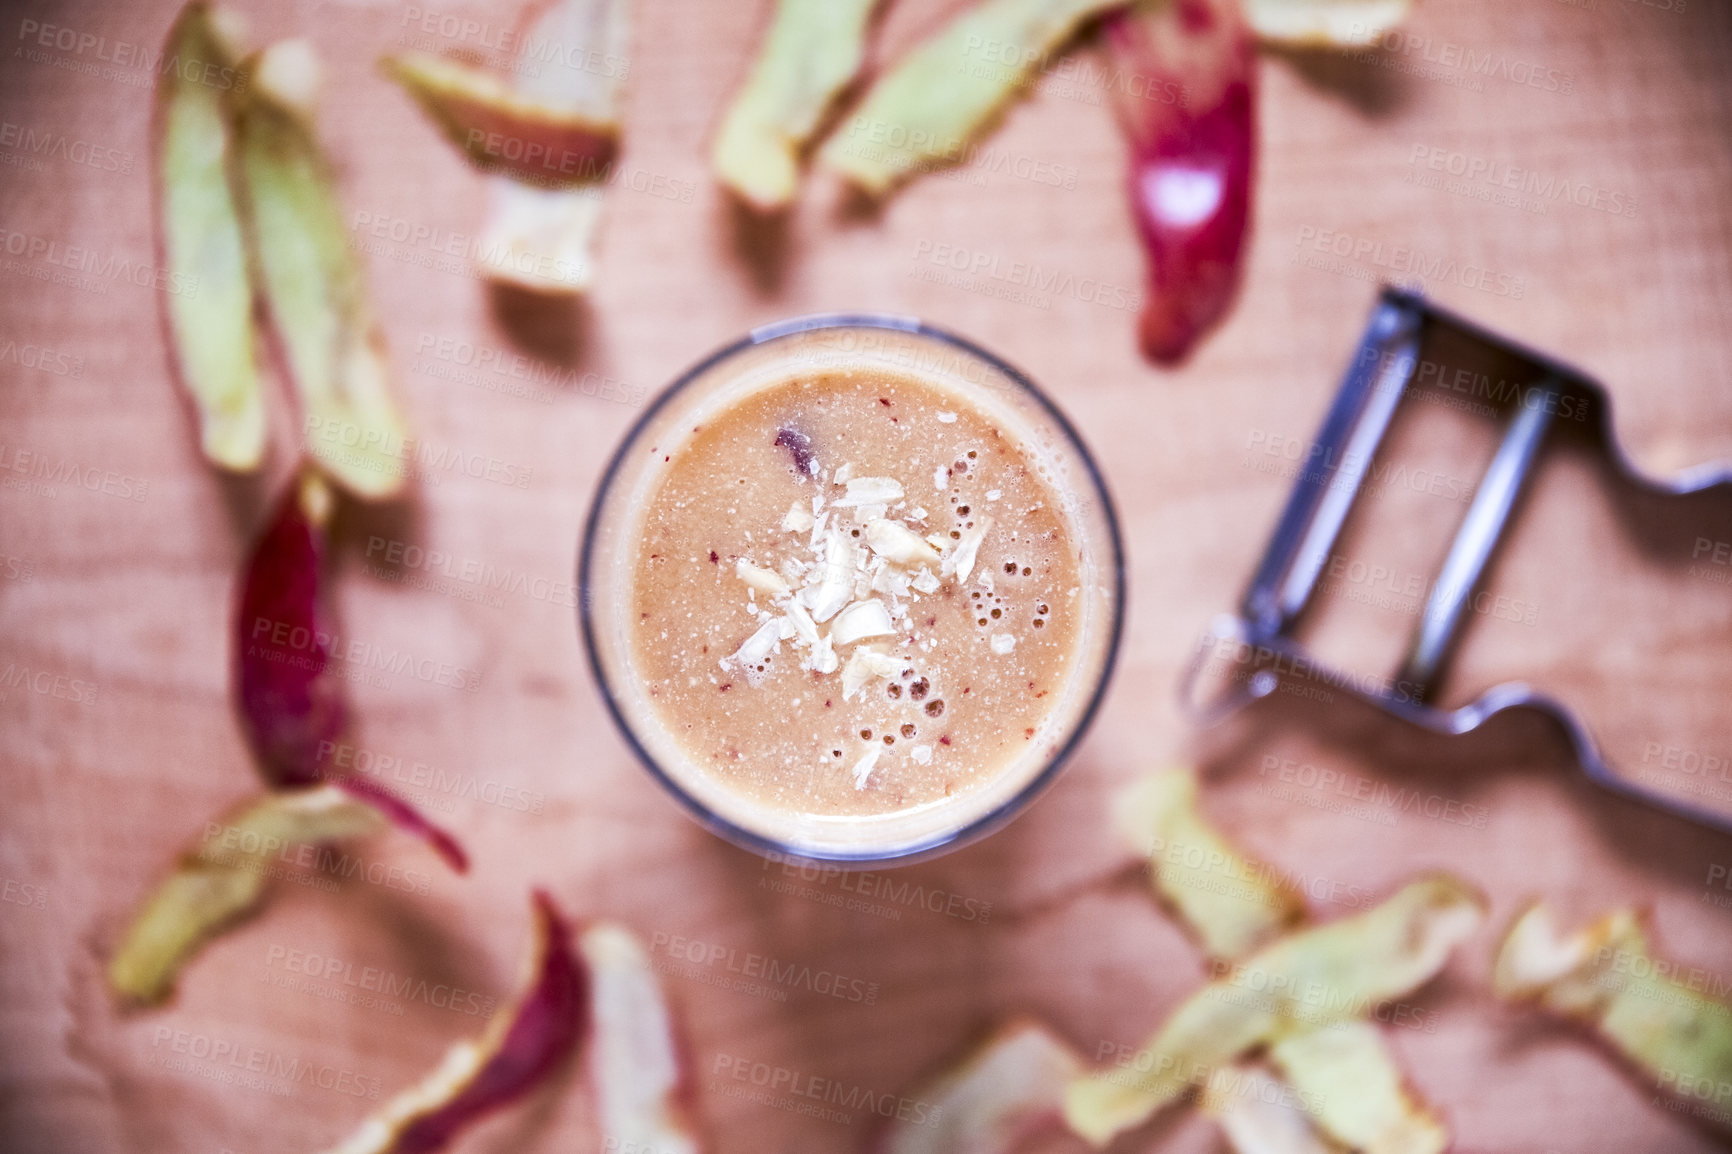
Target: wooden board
(124,588)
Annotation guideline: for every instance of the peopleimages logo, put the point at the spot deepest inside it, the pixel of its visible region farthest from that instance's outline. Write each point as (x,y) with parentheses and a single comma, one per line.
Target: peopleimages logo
(763,968)
(31,142)
(77,259)
(286,642)
(375,980)
(121,60)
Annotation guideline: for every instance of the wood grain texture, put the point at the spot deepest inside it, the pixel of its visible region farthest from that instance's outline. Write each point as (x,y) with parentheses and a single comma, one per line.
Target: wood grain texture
(133,595)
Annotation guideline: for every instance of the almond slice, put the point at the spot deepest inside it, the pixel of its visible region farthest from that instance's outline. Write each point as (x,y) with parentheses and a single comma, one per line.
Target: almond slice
(758,646)
(860,620)
(961,561)
(832,582)
(864,767)
(765,581)
(869,491)
(864,665)
(896,542)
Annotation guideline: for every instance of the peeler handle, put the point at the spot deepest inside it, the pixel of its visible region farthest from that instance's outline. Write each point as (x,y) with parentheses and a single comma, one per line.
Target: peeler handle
(1336,467)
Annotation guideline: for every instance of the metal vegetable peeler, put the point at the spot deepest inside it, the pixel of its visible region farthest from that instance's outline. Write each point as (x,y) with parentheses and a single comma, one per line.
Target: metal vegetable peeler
(1260,638)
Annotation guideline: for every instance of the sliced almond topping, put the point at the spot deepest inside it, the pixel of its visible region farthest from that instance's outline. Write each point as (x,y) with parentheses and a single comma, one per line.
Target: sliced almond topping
(861,620)
(864,664)
(961,562)
(893,582)
(869,491)
(864,767)
(834,586)
(898,543)
(798,519)
(765,581)
(1003,643)
(843,471)
(824,659)
(926,582)
(756,647)
(804,627)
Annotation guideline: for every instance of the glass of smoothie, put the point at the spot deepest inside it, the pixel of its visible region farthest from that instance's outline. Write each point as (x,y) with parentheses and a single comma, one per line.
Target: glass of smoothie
(852,589)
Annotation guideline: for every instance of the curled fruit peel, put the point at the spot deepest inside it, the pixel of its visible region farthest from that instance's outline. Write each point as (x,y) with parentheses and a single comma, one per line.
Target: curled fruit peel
(1344,1074)
(1607,977)
(1347,1078)
(1011,1086)
(291,701)
(210,326)
(1192,135)
(223,878)
(312,282)
(1324,23)
(543,239)
(812,51)
(500,130)
(1311,978)
(925,112)
(408,819)
(638,1067)
(1253,1110)
(524,1043)
(1231,904)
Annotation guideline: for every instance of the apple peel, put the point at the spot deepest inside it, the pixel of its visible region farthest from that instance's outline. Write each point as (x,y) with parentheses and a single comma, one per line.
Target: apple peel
(1193,160)
(210,326)
(1311,978)
(1252,1109)
(936,100)
(1607,977)
(1348,1080)
(1007,1089)
(215,884)
(291,701)
(1231,904)
(524,1043)
(543,239)
(813,49)
(1323,23)
(638,1068)
(503,131)
(330,343)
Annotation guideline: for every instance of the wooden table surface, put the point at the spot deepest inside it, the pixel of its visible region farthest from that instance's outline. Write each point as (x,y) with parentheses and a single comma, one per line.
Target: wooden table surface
(125,588)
